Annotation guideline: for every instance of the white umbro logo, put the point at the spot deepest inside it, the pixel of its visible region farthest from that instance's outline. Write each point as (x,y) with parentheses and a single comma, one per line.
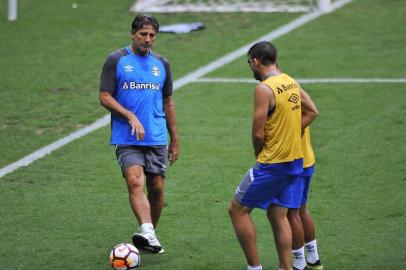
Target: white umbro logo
(155,71)
(128,68)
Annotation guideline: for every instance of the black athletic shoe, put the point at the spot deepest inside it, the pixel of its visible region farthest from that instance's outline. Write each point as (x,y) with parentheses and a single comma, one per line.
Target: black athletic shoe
(315,266)
(146,242)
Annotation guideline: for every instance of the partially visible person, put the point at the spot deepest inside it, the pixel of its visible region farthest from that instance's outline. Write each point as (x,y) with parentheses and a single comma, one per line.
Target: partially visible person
(303,229)
(276,138)
(136,86)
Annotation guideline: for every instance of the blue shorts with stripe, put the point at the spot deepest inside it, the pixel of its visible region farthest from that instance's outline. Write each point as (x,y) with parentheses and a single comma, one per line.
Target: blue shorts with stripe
(262,186)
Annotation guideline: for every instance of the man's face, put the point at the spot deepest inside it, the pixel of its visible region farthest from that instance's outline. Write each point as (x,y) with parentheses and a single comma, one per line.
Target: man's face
(144,39)
(253,66)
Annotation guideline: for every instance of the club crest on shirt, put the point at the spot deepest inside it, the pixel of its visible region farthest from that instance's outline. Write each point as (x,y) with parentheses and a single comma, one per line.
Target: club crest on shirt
(155,71)
(128,68)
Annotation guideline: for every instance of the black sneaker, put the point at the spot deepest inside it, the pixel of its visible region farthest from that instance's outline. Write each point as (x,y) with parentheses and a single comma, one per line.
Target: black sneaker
(146,242)
(315,266)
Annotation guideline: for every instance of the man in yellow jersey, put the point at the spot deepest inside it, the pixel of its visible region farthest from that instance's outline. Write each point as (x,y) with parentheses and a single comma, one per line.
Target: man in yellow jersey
(301,222)
(276,137)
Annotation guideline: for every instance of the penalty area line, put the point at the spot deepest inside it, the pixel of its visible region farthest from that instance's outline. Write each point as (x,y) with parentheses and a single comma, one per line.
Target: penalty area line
(191,77)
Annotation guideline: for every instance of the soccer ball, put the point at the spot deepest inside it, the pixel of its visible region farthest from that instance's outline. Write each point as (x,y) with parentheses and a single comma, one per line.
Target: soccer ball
(124,257)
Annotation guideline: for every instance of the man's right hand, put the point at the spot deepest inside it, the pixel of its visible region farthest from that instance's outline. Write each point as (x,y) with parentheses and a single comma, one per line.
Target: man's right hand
(136,128)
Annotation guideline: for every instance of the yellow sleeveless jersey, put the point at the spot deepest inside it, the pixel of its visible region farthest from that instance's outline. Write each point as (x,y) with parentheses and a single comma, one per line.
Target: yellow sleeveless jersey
(307,149)
(283,126)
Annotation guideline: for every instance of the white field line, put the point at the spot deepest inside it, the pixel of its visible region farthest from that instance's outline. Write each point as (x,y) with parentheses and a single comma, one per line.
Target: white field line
(55,145)
(302,80)
(191,77)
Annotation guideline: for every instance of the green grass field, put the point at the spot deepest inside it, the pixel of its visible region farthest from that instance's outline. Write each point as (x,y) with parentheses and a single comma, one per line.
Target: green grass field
(67,210)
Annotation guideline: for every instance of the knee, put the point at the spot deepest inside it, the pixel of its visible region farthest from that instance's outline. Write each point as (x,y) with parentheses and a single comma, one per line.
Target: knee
(233,209)
(293,216)
(303,211)
(135,183)
(275,213)
(155,186)
(230,211)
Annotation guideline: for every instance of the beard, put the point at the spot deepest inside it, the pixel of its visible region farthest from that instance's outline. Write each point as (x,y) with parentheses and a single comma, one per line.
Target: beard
(257,76)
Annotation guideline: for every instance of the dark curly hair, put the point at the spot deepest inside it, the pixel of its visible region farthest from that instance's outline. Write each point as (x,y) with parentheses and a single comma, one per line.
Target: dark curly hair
(144,19)
(264,51)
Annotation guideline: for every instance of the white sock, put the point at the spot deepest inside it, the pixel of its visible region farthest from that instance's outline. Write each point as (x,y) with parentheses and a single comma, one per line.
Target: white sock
(254,267)
(147,227)
(311,248)
(299,258)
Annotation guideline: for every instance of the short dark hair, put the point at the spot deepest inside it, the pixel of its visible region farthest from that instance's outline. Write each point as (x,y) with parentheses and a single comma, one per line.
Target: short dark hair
(144,19)
(264,51)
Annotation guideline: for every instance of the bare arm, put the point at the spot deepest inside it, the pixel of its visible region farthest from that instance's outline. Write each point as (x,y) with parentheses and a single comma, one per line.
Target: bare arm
(111,104)
(263,100)
(174,147)
(309,110)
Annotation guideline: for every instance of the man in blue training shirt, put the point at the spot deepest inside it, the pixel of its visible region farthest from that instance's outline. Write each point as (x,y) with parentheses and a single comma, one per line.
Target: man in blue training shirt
(136,87)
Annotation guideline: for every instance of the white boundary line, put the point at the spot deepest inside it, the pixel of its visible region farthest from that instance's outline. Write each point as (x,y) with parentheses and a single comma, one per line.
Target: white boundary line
(55,145)
(302,80)
(191,77)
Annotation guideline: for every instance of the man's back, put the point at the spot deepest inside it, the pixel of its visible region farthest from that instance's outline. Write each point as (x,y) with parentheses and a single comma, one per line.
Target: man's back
(283,125)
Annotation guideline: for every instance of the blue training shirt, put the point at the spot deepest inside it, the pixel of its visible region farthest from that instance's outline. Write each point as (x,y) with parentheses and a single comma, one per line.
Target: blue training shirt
(138,83)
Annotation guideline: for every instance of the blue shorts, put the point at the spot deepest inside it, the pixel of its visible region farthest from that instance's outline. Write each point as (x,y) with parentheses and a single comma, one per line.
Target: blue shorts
(306,178)
(260,189)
